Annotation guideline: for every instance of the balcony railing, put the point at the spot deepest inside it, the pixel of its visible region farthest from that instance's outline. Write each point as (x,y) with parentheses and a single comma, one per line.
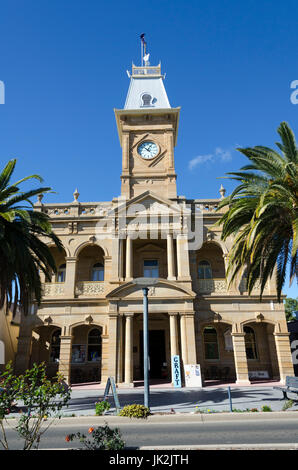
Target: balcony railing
(219,286)
(207,286)
(53,289)
(90,288)
(256,289)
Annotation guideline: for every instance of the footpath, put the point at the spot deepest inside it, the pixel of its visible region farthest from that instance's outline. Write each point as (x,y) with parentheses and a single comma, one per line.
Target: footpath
(184,400)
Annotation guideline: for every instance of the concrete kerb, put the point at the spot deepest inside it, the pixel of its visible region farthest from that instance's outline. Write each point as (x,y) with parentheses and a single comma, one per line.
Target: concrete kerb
(272,446)
(196,417)
(175,418)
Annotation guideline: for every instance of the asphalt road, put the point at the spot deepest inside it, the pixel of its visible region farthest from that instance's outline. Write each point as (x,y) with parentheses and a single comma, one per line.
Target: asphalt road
(137,434)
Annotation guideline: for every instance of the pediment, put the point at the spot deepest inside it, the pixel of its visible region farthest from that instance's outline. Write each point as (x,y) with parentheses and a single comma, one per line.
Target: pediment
(149,247)
(148,203)
(164,289)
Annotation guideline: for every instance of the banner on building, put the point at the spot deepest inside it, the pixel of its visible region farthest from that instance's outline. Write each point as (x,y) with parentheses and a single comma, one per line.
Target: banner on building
(176,372)
(193,376)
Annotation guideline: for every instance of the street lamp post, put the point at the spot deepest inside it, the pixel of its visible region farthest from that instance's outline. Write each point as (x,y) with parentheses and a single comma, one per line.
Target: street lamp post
(145,283)
(146,346)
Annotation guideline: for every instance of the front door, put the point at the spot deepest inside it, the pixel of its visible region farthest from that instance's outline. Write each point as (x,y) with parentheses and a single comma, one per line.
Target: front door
(157,353)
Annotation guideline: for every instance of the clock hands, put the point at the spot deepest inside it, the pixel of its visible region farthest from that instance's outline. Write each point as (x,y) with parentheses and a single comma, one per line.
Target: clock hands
(147,150)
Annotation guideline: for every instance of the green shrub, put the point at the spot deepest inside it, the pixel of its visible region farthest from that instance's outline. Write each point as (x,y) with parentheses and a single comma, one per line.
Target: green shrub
(101,407)
(135,411)
(266,408)
(102,438)
(288,404)
(42,398)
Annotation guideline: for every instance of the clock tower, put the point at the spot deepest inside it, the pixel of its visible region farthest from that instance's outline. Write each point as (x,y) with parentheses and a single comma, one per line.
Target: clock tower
(147,128)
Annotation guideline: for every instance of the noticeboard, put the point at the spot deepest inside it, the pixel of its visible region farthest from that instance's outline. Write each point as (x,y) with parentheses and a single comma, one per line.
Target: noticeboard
(193,376)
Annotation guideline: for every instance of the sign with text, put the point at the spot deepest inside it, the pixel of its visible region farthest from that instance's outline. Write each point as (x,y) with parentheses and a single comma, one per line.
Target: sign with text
(258,374)
(193,376)
(176,372)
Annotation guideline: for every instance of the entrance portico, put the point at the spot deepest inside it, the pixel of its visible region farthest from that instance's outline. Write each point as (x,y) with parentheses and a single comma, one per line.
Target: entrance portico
(169,331)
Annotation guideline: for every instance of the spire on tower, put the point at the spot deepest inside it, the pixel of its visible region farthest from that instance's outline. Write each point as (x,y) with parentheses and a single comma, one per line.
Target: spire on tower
(146,88)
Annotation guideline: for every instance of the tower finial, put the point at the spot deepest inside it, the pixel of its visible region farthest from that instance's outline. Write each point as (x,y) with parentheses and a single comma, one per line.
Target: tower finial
(222,191)
(76,195)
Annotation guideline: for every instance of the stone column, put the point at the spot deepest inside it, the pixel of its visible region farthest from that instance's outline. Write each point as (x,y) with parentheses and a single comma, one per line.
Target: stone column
(183,340)
(128,362)
(113,345)
(120,352)
(240,358)
(284,356)
(121,260)
(173,334)
(105,355)
(125,151)
(65,357)
(170,255)
(170,142)
(182,258)
(115,254)
(188,345)
(190,337)
(272,353)
(129,259)
(70,276)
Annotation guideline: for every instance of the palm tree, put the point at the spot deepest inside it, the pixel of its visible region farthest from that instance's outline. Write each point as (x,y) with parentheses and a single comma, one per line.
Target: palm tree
(23,255)
(262,214)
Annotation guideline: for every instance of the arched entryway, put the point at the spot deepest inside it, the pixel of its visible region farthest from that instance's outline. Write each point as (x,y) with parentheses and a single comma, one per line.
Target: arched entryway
(86,357)
(217,349)
(45,347)
(261,354)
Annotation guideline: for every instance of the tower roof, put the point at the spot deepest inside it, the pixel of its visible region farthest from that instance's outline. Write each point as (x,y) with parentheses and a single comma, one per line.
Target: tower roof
(146,89)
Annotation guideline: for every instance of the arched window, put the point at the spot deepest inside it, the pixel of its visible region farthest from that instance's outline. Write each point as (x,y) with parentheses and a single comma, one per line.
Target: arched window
(98,272)
(250,343)
(55,346)
(210,343)
(94,345)
(205,271)
(146,99)
(61,273)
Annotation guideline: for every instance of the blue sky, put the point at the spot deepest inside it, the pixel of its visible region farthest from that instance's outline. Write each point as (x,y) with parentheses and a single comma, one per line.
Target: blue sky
(228,64)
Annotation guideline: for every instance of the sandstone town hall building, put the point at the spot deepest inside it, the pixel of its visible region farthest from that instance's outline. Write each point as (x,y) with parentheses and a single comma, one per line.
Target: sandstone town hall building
(89,324)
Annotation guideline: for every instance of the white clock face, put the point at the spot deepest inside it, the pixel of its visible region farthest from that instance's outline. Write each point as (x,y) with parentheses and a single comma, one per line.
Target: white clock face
(148,150)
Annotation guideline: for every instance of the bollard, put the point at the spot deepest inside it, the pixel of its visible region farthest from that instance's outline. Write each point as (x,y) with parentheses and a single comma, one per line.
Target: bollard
(230,399)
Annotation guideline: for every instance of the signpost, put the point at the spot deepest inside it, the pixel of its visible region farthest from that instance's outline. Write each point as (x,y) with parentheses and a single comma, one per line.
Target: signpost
(111,384)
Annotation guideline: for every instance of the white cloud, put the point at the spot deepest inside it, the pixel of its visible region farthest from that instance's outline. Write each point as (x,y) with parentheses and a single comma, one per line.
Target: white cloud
(199,159)
(224,155)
